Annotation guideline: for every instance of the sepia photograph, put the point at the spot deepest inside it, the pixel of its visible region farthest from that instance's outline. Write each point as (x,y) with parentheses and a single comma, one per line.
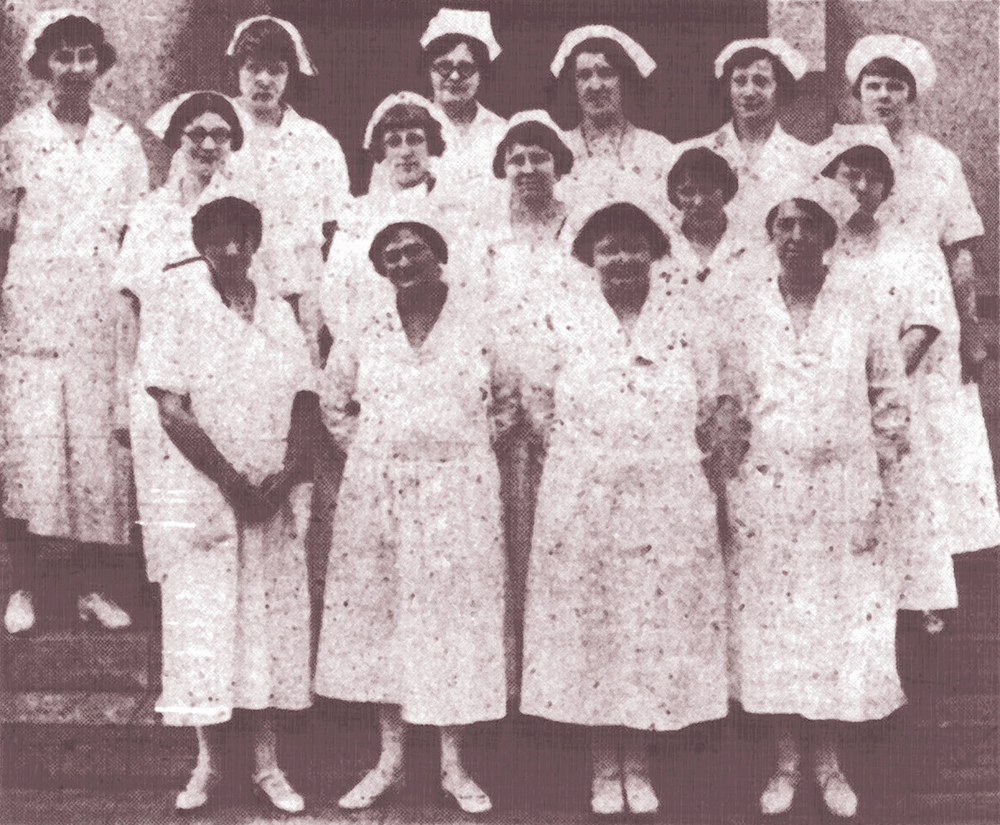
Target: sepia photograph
(524,412)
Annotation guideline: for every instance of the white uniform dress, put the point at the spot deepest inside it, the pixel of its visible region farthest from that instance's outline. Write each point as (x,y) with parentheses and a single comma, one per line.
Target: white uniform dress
(414,604)
(625,615)
(63,471)
(640,164)
(931,204)
(813,620)
(466,167)
(235,596)
(783,160)
(302,182)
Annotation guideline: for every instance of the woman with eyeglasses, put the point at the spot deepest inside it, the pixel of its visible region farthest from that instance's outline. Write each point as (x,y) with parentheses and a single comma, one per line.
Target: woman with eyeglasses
(417,397)
(70,172)
(459,48)
(203,130)
(303,184)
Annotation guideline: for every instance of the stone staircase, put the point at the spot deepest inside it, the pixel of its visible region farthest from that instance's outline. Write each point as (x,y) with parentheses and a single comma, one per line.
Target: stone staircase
(77,709)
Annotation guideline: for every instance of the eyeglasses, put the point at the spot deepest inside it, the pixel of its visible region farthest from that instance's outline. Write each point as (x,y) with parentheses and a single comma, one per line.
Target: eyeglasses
(200,135)
(445,68)
(410,251)
(395,139)
(67,54)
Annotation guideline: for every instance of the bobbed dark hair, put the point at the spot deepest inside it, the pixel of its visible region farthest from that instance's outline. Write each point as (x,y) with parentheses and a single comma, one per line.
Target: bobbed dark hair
(71,31)
(887,67)
(533,133)
(705,169)
(430,235)
(194,107)
(867,157)
(614,218)
(814,210)
(266,40)
(742,59)
(227,211)
(445,43)
(407,116)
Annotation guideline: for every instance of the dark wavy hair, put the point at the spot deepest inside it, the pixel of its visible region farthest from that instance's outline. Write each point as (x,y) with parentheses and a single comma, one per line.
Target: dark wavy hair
(445,43)
(266,40)
(705,169)
(71,31)
(430,235)
(228,211)
(532,133)
(742,59)
(867,157)
(887,67)
(614,218)
(407,116)
(813,209)
(197,105)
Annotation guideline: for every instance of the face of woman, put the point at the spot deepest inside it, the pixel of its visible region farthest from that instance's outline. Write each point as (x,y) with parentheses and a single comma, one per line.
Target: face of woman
(409,262)
(623,257)
(206,140)
(700,202)
(867,186)
(74,70)
(598,85)
(263,82)
(229,251)
(407,155)
(798,239)
(455,76)
(753,91)
(531,171)
(884,100)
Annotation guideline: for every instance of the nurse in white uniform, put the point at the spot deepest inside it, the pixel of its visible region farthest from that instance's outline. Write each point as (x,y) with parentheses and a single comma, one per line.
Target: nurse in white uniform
(606,69)
(931,204)
(758,76)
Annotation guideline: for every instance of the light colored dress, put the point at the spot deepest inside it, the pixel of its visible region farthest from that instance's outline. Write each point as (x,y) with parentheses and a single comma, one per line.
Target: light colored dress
(414,604)
(625,617)
(783,161)
(640,165)
(235,596)
(63,471)
(812,618)
(466,167)
(931,205)
(302,182)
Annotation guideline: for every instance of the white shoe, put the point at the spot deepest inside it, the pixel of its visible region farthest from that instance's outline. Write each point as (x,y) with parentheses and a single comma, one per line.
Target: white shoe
(375,784)
(606,797)
(639,794)
(20,615)
(273,786)
(838,795)
(463,789)
(195,795)
(106,612)
(779,793)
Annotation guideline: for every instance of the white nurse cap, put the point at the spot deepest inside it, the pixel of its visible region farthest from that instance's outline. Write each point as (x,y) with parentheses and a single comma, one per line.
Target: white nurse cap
(911,53)
(637,54)
(832,197)
(532,116)
(401,98)
(791,59)
(159,121)
(847,136)
(43,21)
(306,65)
(474,24)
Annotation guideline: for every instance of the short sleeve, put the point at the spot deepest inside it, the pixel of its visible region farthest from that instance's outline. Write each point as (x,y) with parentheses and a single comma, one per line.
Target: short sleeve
(167,319)
(961,220)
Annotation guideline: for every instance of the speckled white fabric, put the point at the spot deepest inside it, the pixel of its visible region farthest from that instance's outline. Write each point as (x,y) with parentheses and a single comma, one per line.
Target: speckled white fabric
(625,613)
(63,471)
(414,606)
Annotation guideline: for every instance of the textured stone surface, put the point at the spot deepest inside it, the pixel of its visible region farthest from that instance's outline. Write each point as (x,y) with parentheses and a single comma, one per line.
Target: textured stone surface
(75,660)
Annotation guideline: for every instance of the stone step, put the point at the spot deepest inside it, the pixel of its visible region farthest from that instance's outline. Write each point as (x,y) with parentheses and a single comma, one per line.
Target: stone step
(950,664)
(82,660)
